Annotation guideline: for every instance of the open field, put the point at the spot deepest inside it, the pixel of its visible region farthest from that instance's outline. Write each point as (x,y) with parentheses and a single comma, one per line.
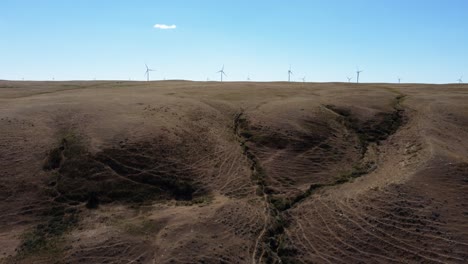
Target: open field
(208,172)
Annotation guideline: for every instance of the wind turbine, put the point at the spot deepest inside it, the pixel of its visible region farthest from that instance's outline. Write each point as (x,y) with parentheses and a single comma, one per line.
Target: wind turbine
(303,79)
(221,72)
(349,79)
(358,72)
(460,80)
(248,78)
(399,79)
(147,73)
(290,73)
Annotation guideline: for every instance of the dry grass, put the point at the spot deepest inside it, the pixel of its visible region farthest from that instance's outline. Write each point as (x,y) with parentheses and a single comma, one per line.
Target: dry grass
(185,172)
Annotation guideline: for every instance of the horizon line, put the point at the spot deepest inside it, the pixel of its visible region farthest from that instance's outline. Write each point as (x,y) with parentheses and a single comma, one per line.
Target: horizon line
(214,81)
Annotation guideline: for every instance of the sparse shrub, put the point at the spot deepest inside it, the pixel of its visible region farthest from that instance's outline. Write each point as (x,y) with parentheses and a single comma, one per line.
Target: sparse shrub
(53,160)
(280,203)
(58,220)
(93,201)
(72,145)
(356,171)
(246,134)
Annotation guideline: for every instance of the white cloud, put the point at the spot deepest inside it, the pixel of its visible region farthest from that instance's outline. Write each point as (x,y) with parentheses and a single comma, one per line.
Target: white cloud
(163,26)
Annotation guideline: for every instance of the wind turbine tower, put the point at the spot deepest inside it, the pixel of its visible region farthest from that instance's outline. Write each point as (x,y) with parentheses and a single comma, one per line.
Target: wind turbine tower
(290,73)
(358,72)
(147,73)
(349,79)
(221,72)
(460,80)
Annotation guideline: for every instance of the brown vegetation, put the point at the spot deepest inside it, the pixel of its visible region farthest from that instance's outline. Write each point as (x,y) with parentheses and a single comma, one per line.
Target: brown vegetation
(187,172)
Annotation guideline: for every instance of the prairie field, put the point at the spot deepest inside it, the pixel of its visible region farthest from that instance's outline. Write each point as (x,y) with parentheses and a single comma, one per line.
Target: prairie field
(234,172)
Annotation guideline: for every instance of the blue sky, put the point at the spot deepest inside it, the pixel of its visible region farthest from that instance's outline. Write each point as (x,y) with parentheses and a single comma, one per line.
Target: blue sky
(418,40)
